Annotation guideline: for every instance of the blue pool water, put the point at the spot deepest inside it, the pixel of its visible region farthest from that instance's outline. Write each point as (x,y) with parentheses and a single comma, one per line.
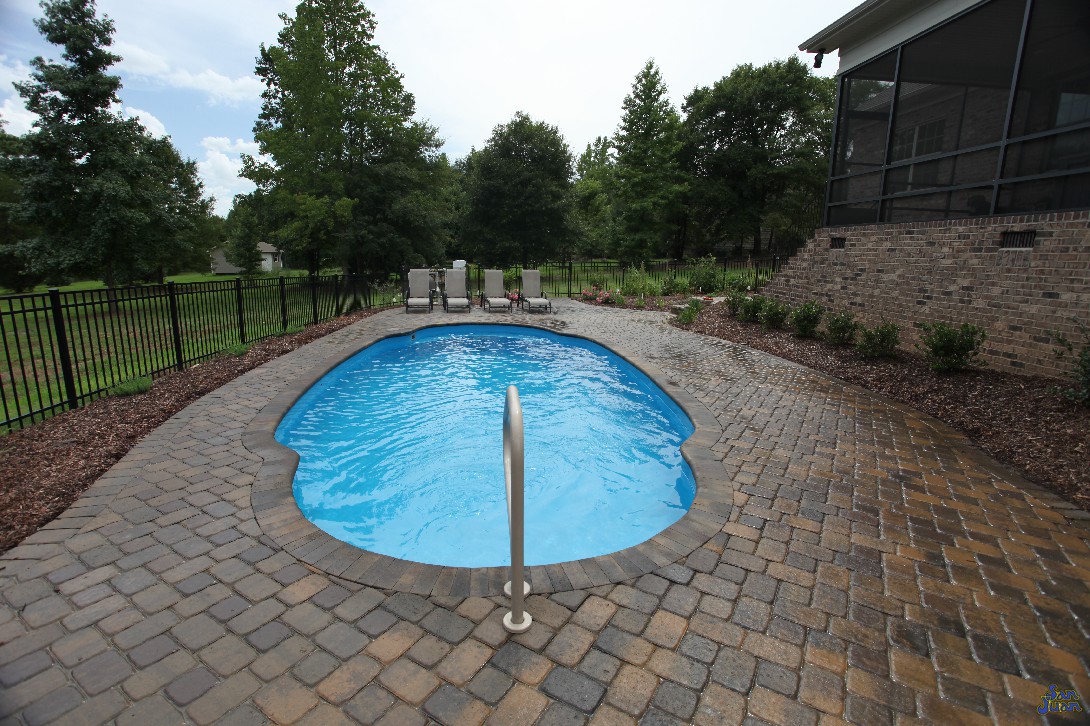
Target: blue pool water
(401,448)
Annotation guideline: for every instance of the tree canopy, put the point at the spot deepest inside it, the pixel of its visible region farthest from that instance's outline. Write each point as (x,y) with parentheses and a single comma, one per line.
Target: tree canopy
(518,195)
(345,175)
(102,196)
(649,185)
(755,144)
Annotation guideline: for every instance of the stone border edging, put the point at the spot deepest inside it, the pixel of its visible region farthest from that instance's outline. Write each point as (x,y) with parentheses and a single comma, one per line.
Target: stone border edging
(281,520)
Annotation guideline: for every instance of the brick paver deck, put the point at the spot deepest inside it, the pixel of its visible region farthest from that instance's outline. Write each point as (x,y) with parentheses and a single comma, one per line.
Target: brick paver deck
(868,566)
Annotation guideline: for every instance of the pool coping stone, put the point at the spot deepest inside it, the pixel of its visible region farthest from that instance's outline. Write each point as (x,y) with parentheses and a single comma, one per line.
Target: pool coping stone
(280,519)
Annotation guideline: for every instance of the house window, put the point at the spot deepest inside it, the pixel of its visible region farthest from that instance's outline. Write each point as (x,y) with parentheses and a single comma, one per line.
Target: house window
(919,140)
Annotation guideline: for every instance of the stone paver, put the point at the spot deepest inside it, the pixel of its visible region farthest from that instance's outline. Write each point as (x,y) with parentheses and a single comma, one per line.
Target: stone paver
(847,559)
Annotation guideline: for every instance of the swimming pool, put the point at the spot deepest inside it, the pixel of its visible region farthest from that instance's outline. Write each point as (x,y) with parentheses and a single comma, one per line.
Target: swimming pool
(401,448)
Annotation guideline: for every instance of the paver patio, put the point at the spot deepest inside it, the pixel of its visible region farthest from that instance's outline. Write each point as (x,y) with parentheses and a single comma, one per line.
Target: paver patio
(870,567)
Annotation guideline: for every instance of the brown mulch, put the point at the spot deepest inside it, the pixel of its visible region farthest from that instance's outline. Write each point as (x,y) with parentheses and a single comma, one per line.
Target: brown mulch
(45,468)
(1019,420)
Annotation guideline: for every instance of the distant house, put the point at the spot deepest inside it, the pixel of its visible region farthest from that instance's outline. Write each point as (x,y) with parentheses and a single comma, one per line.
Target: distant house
(959,182)
(271,259)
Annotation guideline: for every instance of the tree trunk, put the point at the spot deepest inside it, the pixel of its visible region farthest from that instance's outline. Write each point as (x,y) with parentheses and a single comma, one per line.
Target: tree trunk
(757,237)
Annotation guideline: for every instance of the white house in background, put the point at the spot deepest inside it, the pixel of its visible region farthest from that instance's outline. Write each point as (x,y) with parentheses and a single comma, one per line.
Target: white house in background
(271,259)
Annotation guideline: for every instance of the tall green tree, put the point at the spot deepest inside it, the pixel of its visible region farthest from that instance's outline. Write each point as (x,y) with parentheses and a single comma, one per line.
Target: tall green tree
(650,184)
(756,146)
(346,174)
(518,195)
(14,271)
(105,198)
(593,191)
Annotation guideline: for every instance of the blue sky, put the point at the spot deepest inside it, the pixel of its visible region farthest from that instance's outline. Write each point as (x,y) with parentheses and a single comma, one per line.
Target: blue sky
(188,64)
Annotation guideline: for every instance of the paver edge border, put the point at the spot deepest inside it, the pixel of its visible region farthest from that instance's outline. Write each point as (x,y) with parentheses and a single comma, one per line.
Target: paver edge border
(282,522)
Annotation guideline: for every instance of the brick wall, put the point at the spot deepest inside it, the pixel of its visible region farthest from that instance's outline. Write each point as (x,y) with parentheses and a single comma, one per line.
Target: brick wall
(956,271)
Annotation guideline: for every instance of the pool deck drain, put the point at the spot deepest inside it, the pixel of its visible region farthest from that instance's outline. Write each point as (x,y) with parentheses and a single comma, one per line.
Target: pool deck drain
(867,565)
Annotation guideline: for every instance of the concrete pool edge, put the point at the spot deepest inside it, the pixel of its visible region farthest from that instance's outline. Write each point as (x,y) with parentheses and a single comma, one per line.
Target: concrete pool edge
(282,522)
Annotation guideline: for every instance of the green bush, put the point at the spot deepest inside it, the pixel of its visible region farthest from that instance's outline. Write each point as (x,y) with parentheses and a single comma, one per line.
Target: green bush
(806,319)
(1079,392)
(639,303)
(705,276)
(840,329)
(689,314)
(750,309)
(881,341)
(734,302)
(131,387)
(638,282)
(773,314)
(735,281)
(238,349)
(598,281)
(674,285)
(950,349)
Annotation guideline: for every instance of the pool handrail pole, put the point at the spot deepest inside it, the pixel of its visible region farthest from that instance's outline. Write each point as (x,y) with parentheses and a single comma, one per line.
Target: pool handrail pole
(518,620)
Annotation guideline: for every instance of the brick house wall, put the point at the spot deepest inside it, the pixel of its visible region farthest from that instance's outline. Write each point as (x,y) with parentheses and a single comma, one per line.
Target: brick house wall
(956,271)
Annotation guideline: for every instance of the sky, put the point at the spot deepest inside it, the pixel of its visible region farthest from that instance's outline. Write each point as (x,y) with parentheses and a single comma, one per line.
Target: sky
(188,65)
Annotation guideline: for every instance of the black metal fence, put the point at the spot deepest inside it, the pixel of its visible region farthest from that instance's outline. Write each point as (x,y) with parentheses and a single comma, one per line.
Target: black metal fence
(63,349)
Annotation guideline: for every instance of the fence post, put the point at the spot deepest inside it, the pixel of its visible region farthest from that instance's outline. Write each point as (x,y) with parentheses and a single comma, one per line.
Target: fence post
(571,265)
(314,297)
(62,348)
(241,310)
(175,327)
(283,305)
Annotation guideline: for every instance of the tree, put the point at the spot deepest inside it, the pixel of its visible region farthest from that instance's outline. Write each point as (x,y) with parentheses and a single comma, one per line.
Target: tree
(518,195)
(593,191)
(347,175)
(650,184)
(244,233)
(755,144)
(105,198)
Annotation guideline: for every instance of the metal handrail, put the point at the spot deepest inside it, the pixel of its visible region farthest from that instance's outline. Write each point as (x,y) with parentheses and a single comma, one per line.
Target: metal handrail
(518,620)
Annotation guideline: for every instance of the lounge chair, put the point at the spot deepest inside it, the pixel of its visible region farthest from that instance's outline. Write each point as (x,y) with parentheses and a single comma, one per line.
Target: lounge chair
(419,294)
(532,294)
(494,296)
(454,295)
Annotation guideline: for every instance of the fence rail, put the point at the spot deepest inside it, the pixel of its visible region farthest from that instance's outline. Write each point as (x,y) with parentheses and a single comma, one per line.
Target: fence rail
(61,350)
(64,349)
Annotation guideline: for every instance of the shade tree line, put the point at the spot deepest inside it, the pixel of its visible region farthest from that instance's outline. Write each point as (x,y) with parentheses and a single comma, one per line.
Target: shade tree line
(347,176)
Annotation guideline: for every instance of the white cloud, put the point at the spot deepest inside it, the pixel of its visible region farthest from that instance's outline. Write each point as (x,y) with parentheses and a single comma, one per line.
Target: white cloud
(220,168)
(142,63)
(12,71)
(154,126)
(19,120)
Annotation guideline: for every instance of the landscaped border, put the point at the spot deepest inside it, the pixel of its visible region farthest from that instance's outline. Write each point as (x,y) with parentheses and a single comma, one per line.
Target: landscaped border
(283,523)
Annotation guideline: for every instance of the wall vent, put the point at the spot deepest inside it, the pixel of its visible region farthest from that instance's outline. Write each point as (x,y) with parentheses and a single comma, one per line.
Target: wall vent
(1024,240)
(837,243)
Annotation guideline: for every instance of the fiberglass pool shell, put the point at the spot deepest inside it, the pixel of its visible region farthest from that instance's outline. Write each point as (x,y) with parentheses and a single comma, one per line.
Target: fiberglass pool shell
(283,526)
(401,448)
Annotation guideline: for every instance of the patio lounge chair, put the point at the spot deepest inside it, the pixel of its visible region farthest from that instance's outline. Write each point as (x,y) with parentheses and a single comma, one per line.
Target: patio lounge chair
(494,296)
(455,295)
(419,295)
(532,294)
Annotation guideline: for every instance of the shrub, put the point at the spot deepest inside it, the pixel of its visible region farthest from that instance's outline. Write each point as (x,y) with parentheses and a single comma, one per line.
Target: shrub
(638,282)
(598,281)
(950,349)
(639,304)
(840,329)
(806,319)
(750,309)
(674,285)
(881,341)
(773,314)
(689,314)
(735,281)
(734,302)
(238,349)
(131,387)
(1080,370)
(705,276)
